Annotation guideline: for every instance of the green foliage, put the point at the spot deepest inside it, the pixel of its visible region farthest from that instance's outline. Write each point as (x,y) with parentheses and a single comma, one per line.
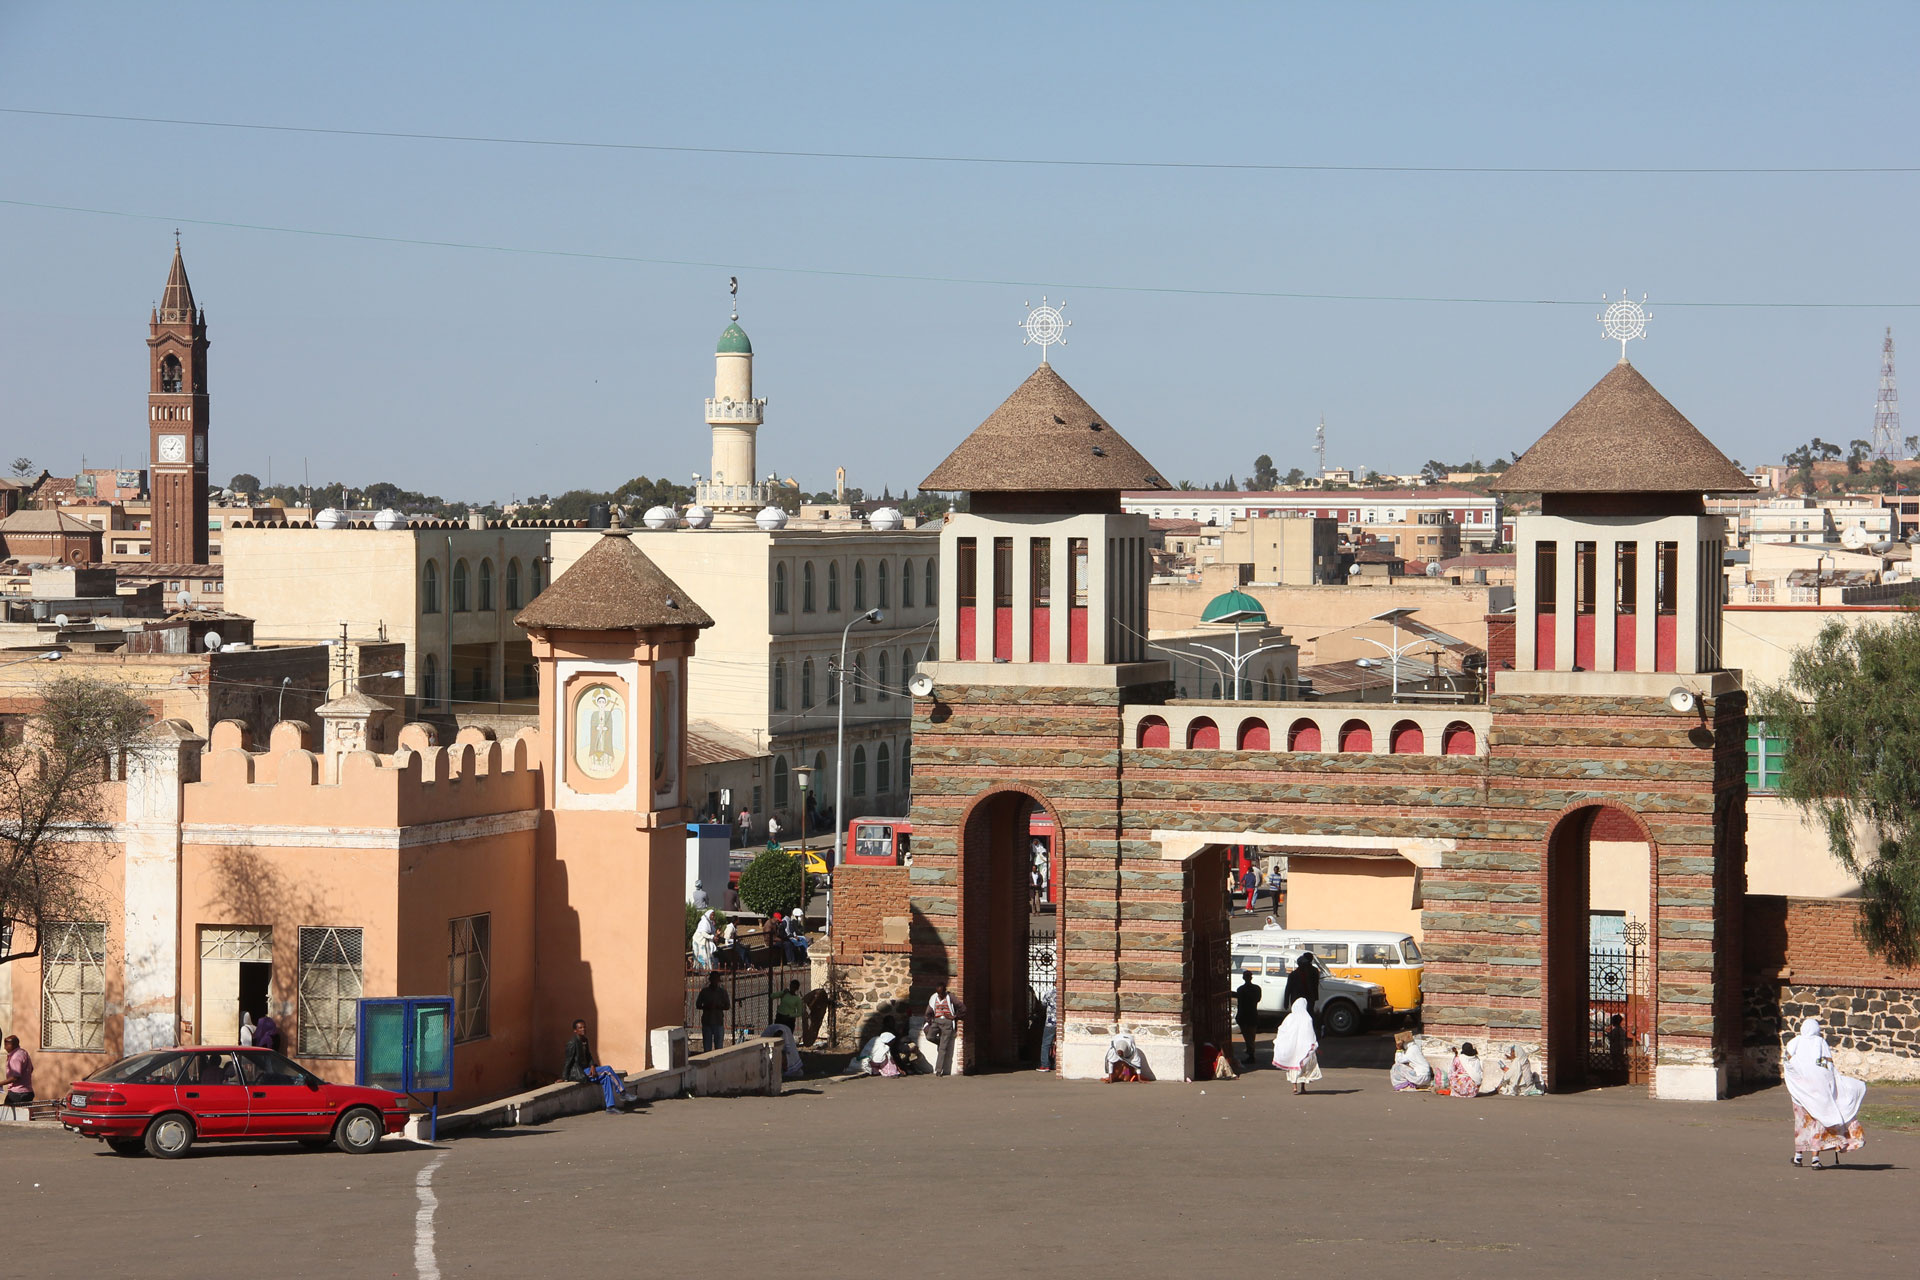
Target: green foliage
(245,482)
(693,922)
(773,882)
(1265,475)
(1850,720)
(22,468)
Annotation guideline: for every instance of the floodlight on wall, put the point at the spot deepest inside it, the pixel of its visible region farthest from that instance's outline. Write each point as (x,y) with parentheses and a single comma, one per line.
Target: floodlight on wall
(1683,700)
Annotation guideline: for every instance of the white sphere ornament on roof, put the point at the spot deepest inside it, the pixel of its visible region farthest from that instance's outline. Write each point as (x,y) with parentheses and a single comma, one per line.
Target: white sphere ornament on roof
(388,518)
(698,517)
(771,518)
(1045,326)
(886,519)
(330,518)
(659,518)
(1624,320)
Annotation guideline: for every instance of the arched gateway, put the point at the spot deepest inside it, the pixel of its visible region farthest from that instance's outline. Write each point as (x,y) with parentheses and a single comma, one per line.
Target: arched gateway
(1570,851)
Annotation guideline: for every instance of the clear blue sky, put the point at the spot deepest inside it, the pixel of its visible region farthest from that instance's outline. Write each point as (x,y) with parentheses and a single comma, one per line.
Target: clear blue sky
(483,374)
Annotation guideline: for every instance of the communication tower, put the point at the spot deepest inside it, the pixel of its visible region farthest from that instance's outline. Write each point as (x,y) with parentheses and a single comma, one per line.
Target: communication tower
(1886,411)
(1320,446)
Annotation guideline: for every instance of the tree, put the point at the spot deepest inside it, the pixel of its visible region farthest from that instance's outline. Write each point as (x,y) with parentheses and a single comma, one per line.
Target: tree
(1913,445)
(1265,475)
(772,882)
(51,801)
(1857,451)
(1881,475)
(1849,727)
(1434,472)
(1295,478)
(244,483)
(22,468)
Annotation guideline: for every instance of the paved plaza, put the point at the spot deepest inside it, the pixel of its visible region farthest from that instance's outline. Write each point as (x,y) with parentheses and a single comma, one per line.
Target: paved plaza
(1010,1175)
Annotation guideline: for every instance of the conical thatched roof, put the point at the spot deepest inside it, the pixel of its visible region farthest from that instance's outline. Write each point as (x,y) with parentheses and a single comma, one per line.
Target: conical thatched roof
(613,587)
(1623,437)
(1044,437)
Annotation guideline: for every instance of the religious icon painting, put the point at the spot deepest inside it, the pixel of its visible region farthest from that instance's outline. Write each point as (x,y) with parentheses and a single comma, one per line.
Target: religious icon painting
(599,731)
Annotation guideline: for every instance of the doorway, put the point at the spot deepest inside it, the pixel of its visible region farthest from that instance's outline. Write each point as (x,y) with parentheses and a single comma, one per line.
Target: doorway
(1600,954)
(1003,1011)
(236,976)
(1209,939)
(256,984)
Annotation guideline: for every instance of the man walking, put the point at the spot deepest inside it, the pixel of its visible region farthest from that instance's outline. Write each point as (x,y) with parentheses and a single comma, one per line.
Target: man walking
(1250,881)
(18,1088)
(1246,998)
(713,1004)
(943,1016)
(773,830)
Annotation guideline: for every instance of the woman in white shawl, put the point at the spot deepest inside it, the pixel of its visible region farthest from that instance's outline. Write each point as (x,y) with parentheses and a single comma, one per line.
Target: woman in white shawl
(1125,1062)
(876,1055)
(1464,1077)
(1296,1050)
(1826,1104)
(1514,1066)
(703,934)
(794,1065)
(1410,1070)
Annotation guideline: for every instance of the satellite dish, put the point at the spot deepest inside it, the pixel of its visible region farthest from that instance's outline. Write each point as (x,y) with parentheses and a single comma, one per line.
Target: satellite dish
(1352,569)
(771,518)
(1853,538)
(212,641)
(1682,700)
(920,686)
(184,599)
(1433,568)
(59,619)
(659,518)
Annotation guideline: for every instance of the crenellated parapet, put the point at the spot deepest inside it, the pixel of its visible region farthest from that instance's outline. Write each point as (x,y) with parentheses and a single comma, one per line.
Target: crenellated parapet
(291,783)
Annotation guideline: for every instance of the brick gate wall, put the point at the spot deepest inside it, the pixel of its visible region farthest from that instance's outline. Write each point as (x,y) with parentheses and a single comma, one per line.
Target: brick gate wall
(1805,959)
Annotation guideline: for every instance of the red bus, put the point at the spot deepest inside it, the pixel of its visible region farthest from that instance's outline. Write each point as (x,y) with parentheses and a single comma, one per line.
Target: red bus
(888,842)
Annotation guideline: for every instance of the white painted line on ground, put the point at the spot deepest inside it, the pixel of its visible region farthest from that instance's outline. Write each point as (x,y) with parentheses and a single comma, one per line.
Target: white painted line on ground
(423,1260)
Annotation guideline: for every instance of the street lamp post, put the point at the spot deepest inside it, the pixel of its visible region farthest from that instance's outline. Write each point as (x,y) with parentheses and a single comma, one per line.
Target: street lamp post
(840,735)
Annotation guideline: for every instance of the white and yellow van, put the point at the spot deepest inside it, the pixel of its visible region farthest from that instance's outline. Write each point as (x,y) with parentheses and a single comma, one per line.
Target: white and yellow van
(1372,955)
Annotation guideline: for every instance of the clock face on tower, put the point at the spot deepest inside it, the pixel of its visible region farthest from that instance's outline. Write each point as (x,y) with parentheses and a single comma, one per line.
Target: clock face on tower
(173,448)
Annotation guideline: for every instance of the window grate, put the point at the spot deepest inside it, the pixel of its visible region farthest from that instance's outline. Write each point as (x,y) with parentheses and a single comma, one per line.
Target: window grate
(73,988)
(331,982)
(467,975)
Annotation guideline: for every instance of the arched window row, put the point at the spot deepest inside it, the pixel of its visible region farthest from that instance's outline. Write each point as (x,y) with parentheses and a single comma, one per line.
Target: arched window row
(1307,734)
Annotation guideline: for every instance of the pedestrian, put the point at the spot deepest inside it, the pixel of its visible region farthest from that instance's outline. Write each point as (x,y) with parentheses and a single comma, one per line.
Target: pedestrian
(1250,882)
(944,1014)
(1049,1032)
(1274,883)
(731,951)
(17,1090)
(713,1003)
(1126,1064)
(1303,983)
(797,942)
(700,895)
(266,1033)
(1296,1050)
(1826,1104)
(1038,850)
(788,1008)
(1246,998)
(783,1032)
(1233,886)
(581,1066)
(776,940)
(703,934)
(246,1029)
(746,825)
(773,831)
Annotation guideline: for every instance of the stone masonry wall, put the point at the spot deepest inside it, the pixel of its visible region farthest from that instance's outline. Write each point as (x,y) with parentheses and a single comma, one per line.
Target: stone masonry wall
(1805,959)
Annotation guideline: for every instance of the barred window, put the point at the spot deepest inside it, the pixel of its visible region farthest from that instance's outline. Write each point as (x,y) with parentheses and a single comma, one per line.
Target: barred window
(73,987)
(467,967)
(331,979)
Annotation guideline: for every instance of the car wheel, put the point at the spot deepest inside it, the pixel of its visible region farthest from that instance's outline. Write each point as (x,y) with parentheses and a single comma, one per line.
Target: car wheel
(169,1137)
(126,1146)
(359,1131)
(1342,1018)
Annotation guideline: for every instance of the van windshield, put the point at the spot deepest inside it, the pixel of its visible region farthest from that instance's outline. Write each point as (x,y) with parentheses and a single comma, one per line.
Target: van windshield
(1410,950)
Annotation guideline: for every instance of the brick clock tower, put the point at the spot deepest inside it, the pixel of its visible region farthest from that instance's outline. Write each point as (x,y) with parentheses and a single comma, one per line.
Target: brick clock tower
(177,423)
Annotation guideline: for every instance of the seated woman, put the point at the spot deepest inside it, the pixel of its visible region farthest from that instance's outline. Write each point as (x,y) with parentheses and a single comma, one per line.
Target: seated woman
(731,952)
(1125,1063)
(1463,1079)
(1515,1066)
(1411,1070)
(784,1033)
(876,1056)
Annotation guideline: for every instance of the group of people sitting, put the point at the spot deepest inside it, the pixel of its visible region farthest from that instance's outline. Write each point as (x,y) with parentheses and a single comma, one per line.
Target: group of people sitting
(786,939)
(1510,1072)
(888,1053)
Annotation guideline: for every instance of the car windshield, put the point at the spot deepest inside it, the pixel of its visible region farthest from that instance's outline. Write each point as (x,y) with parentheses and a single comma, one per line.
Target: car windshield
(141,1068)
(1410,949)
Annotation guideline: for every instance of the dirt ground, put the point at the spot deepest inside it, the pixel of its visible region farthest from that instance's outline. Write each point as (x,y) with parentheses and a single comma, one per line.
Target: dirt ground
(1009,1175)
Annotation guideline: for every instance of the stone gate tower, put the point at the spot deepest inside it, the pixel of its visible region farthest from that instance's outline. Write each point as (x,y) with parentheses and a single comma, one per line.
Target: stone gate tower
(177,422)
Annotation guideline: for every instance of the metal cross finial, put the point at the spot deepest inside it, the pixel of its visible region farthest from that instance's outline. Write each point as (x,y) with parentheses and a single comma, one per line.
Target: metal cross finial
(1045,326)
(733,287)
(1623,321)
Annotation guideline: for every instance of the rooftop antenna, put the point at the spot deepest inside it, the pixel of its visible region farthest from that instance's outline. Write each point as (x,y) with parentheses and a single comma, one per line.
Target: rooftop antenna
(1624,320)
(1045,325)
(1886,410)
(1320,444)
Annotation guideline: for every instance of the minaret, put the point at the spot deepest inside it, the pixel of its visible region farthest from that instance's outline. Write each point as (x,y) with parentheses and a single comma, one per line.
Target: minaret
(731,492)
(177,422)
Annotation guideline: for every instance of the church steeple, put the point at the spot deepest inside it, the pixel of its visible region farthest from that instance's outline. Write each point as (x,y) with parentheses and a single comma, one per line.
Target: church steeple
(177,422)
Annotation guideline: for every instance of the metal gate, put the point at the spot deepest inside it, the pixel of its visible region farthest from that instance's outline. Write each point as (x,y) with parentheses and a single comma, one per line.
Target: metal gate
(1042,966)
(1620,1011)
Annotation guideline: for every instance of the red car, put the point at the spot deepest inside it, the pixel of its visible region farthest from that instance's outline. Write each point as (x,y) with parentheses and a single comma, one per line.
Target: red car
(166,1100)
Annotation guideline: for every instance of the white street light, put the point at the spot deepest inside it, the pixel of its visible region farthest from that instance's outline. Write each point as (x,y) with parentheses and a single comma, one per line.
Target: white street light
(840,745)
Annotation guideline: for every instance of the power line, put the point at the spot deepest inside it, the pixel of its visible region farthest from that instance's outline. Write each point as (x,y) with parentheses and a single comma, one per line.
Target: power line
(913,278)
(1066,162)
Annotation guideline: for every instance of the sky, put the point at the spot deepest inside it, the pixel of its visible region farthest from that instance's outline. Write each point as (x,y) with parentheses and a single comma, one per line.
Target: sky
(884,297)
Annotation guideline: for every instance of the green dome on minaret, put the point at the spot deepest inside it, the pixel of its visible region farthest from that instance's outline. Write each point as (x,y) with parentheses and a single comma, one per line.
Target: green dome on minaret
(733,342)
